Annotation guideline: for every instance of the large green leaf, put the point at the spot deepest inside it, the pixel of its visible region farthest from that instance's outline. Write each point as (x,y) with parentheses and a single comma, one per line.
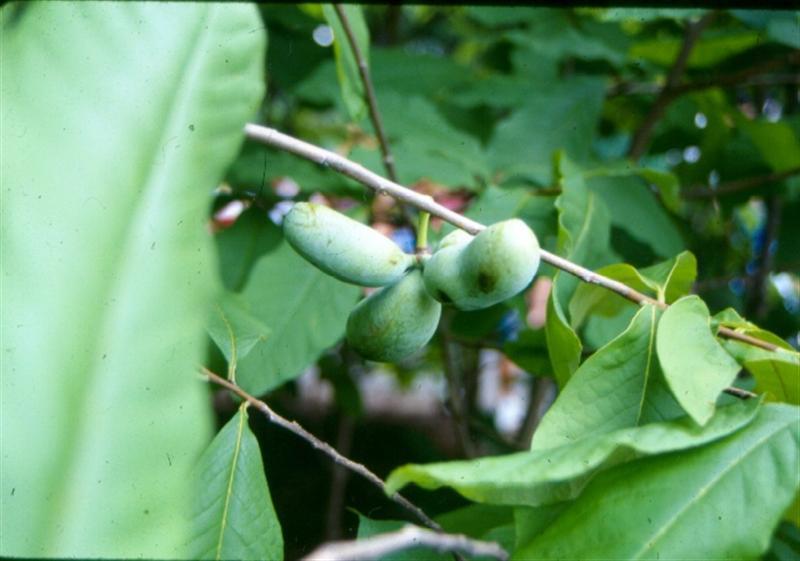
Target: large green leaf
(685,505)
(695,365)
(233,513)
(306,310)
(561,115)
(552,475)
(118,121)
(619,386)
(634,208)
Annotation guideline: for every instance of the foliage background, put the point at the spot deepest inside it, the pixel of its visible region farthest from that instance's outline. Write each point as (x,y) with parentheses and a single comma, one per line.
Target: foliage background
(121,126)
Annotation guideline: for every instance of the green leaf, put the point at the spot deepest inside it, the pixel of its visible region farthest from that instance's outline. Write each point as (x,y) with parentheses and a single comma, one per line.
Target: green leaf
(777,377)
(561,115)
(118,121)
(548,476)
(780,25)
(634,208)
(707,52)
(667,281)
(777,142)
(674,277)
(241,245)
(554,33)
(233,514)
(234,330)
(583,236)
(346,64)
(695,365)
(685,505)
(426,146)
(592,299)
(306,310)
(619,386)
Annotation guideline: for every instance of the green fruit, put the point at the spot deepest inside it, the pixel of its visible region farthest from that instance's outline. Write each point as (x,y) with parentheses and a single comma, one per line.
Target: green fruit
(395,321)
(495,265)
(348,250)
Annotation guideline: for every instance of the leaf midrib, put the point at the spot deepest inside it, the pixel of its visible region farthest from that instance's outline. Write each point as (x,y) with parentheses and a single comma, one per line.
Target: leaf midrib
(231,477)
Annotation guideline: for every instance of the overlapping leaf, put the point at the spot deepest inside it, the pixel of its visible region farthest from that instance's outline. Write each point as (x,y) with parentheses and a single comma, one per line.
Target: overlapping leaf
(619,386)
(546,476)
(687,504)
(695,365)
(583,237)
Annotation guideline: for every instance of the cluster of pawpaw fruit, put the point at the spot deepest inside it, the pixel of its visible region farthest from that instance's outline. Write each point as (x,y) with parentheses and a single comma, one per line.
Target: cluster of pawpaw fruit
(469,272)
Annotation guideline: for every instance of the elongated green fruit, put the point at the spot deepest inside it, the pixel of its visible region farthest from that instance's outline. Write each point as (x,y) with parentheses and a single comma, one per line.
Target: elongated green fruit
(395,321)
(497,264)
(344,248)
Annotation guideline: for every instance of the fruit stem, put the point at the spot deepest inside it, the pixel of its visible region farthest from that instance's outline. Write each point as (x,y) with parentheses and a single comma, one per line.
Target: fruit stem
(422,232)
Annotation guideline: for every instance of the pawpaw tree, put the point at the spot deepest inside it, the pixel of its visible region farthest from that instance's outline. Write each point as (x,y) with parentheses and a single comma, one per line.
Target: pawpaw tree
(399,282)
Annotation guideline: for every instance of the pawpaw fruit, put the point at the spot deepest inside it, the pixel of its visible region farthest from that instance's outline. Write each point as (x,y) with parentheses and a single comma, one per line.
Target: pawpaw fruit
(344,248)
(493,266)
(395,321)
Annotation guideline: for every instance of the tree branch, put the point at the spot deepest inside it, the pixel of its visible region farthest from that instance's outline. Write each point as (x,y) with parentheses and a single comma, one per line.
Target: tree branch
(703,192)
(642,136)
(757,75)
(294,427)
(369,93)
(406,538)
(340,164)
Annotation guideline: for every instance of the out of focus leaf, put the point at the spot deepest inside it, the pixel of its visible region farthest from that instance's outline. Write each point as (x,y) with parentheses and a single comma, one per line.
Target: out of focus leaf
(118,122)
(561,115)
(346,64)
(306,310)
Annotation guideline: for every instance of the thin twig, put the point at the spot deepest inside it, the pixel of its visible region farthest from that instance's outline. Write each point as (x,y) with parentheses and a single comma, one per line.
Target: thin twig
(642,136)
(703,192)
(752,76)
(294,427)
(369,93)
(340,164)
(408,537)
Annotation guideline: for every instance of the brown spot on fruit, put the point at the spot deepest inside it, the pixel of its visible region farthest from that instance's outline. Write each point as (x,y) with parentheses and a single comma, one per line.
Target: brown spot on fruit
(486,282)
